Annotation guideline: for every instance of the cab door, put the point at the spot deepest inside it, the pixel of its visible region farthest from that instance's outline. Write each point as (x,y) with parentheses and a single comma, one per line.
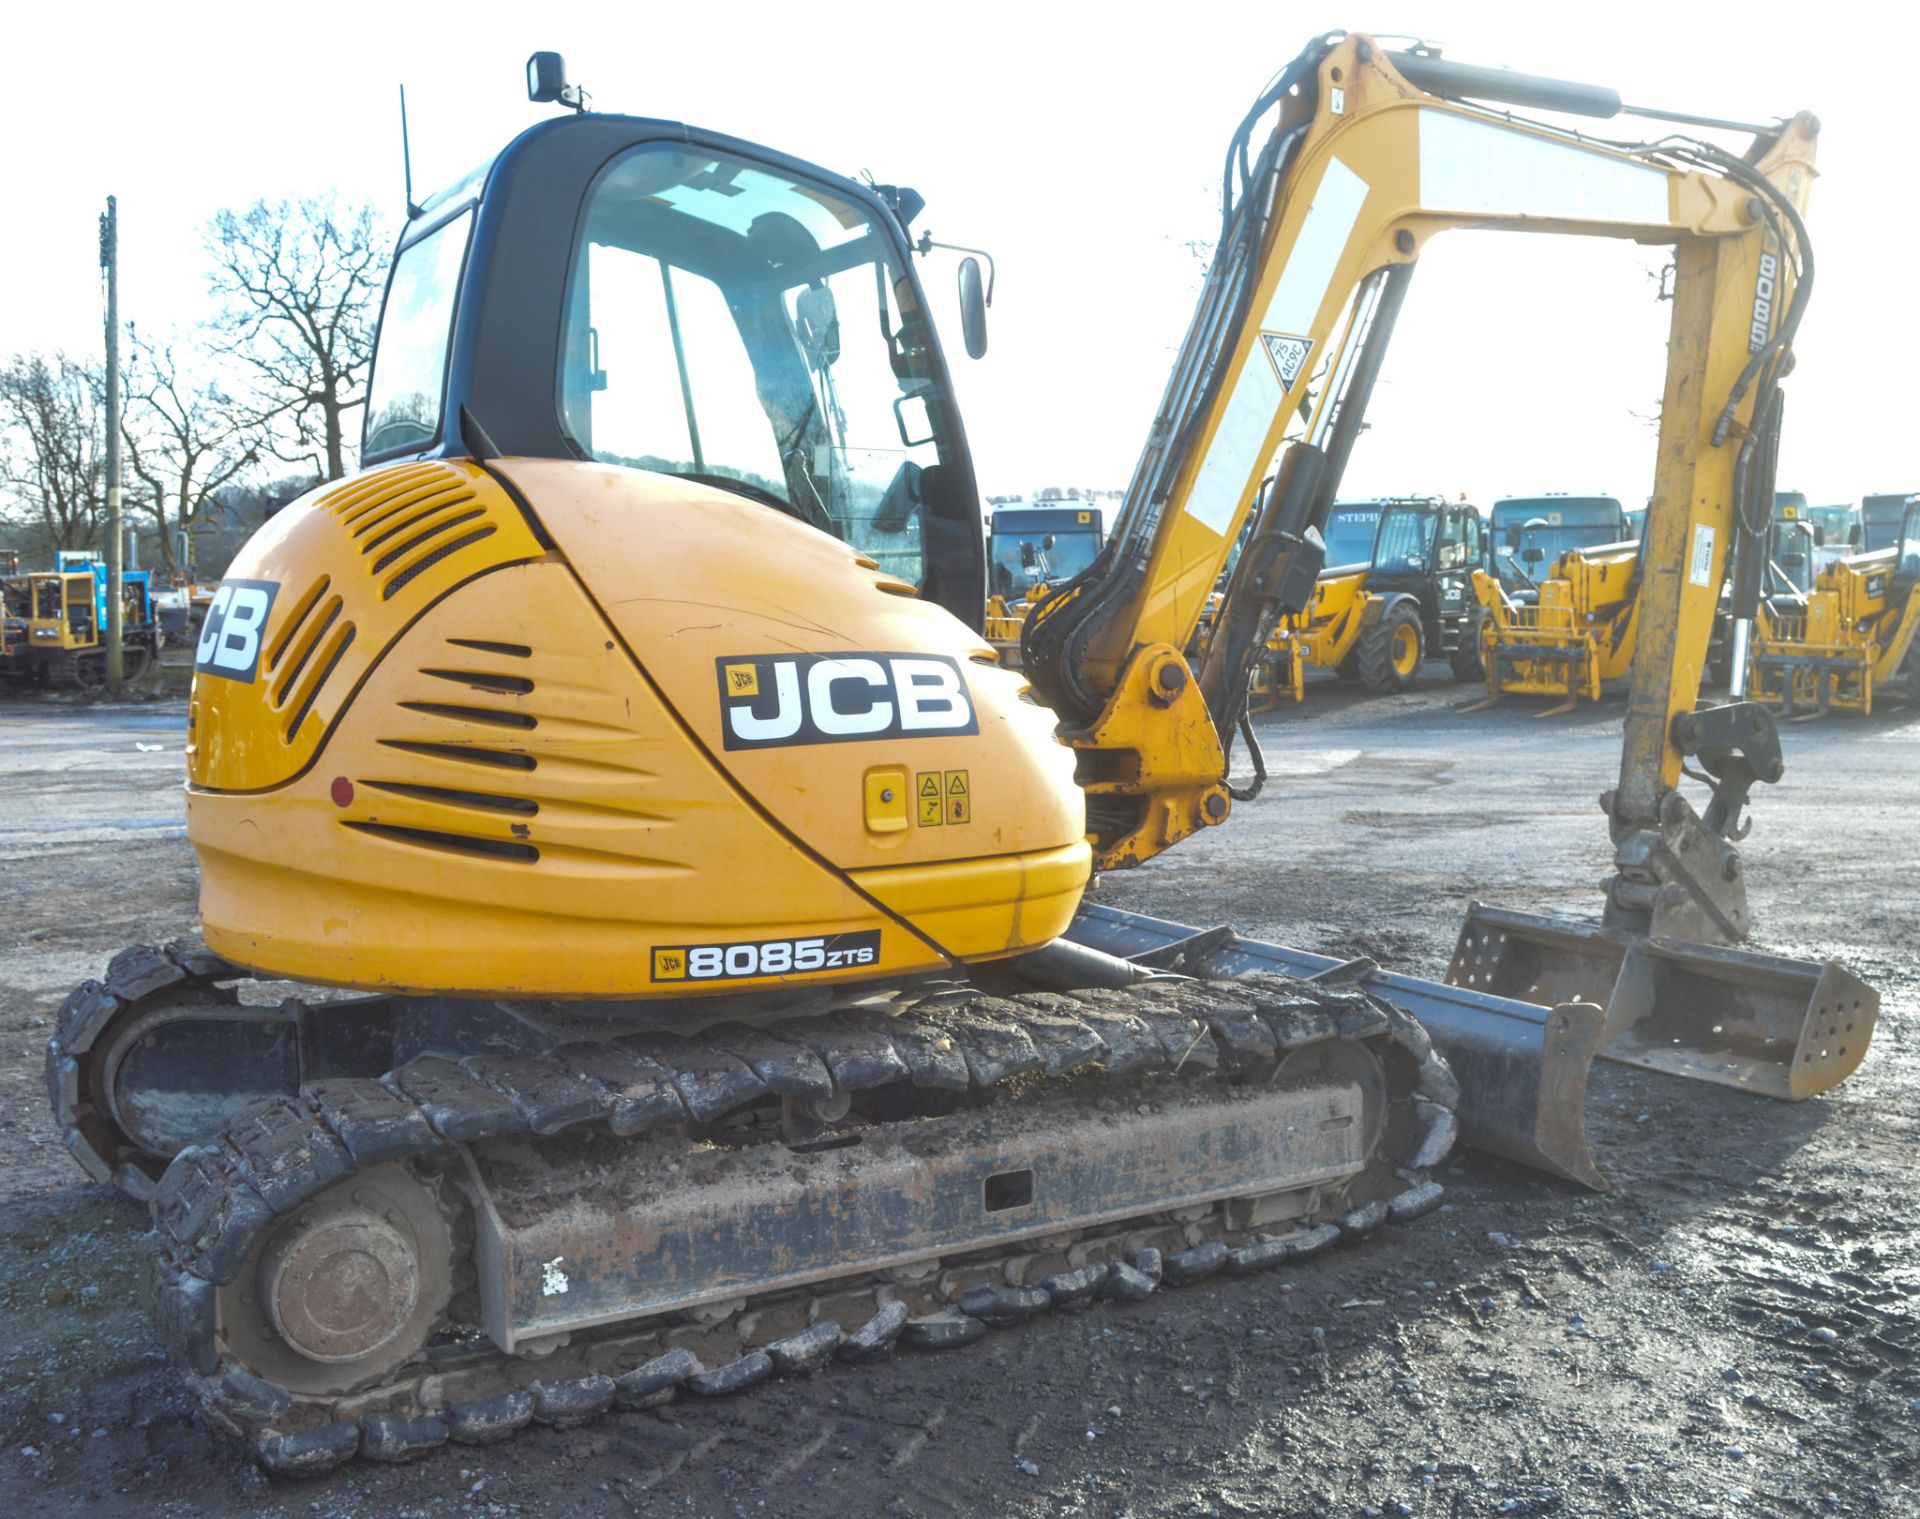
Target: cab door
(1460,546)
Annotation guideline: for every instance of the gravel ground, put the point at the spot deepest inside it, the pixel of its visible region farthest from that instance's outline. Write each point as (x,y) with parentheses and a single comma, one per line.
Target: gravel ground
(1732,1330)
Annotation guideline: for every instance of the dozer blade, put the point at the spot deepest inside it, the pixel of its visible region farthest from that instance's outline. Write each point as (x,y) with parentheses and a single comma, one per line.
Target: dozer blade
(1522,1068)
(1763,1023)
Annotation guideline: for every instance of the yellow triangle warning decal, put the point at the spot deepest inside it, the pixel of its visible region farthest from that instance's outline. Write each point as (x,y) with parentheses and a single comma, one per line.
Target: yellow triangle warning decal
(956,783)
(930,783)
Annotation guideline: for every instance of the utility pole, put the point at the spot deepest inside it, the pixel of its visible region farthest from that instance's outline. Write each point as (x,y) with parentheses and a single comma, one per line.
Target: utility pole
(110,262)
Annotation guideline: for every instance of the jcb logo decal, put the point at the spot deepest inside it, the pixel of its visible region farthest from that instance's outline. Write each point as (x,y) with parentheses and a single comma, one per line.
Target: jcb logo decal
(236,623)
(768,700)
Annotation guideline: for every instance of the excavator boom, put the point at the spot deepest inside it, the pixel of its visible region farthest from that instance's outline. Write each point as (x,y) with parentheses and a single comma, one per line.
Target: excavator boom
(1367,156)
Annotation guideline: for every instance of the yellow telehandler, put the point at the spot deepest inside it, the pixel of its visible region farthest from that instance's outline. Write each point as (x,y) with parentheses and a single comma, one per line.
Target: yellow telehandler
(1571,635)
(1851,638)
(1377,613)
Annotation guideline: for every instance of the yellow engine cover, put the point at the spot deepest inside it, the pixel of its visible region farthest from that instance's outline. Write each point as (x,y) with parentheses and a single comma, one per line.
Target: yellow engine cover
(666,741)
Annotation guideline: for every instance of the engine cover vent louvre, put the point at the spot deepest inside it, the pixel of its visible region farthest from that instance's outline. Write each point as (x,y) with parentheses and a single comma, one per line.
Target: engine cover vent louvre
(341,641)
(419,566)
(434,530)
(485,801)
(484,680)
(317,631)
(388,490)
(454,843)
(464,754)
(490,716)
(301,609)
(484,646)
(417,510)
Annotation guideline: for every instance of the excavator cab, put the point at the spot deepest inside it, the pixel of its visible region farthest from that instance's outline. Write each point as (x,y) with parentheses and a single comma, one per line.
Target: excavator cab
(643,294)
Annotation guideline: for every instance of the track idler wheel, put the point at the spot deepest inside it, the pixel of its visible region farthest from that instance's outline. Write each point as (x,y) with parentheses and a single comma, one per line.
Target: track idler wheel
(345,1288)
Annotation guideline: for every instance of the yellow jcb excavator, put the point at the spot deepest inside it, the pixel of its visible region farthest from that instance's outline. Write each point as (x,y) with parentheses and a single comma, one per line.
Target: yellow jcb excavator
(716,993)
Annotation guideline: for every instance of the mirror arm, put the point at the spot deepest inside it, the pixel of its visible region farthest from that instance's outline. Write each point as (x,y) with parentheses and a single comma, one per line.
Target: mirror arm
(926,245)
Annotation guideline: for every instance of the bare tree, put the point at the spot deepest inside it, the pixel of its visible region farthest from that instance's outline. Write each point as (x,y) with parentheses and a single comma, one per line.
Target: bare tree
(187,442)
(299,283)
(52,454)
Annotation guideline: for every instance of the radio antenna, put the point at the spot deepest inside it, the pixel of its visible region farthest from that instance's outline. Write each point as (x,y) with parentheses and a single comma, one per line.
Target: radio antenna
(406,156)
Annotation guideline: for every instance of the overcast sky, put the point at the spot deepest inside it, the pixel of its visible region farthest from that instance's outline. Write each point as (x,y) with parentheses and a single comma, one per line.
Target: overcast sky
(1080,144)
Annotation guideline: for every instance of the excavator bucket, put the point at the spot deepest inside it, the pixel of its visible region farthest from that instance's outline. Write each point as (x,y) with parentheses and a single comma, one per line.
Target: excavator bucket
(1522,1068)
(1768,1024)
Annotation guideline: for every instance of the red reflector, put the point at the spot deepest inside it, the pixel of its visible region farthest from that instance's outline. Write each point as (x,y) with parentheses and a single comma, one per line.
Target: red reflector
(342,791)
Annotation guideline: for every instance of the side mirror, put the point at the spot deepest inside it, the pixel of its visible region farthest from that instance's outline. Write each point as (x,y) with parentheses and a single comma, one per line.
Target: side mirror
(547,82)
(546,77)
(973,308)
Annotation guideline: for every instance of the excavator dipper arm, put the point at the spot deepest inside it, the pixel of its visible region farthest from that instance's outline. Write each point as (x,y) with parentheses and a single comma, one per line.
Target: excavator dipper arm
(1369,155)
(1367,161)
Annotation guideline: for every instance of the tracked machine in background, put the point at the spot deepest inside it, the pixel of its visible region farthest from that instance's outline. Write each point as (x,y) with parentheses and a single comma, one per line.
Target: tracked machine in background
(54,624)
(693,979)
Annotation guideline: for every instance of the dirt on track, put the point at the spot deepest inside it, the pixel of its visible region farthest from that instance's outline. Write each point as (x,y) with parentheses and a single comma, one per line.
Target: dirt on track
(1734,1329)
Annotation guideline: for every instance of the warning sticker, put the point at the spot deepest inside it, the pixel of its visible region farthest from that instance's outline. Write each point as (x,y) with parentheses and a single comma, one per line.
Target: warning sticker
(944,796)
(959,801)
(1289,354)
(1700,567)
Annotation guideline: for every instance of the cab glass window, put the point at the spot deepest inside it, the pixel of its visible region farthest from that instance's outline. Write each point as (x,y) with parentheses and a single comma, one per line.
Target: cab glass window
(1405,540)
(407,392)
(734,326)
(1350,533)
